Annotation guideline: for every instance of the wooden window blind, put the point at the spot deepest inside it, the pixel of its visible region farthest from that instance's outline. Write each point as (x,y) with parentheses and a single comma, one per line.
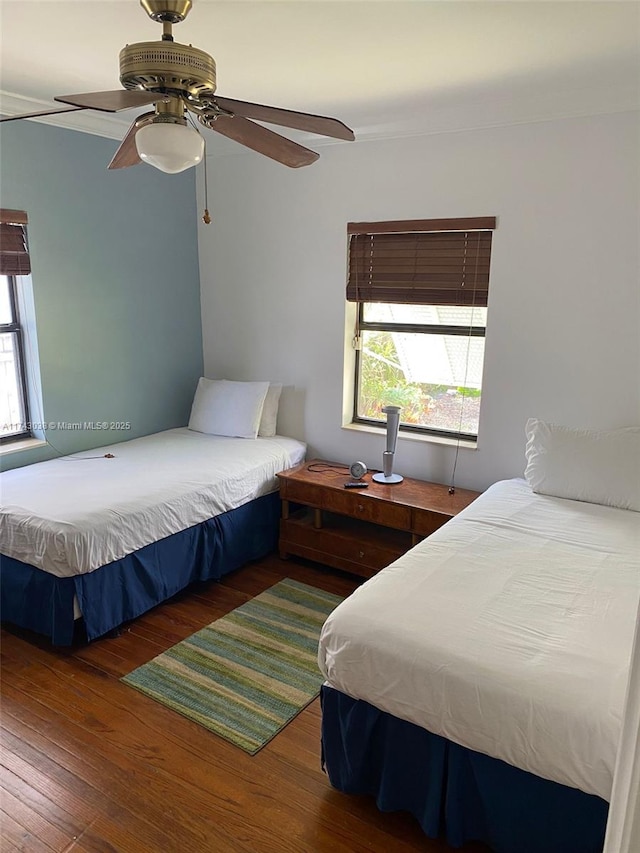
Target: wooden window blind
(420,262)
(14,254)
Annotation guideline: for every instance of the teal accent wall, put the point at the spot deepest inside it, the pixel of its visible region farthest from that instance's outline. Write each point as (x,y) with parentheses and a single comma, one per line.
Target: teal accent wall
(115,281)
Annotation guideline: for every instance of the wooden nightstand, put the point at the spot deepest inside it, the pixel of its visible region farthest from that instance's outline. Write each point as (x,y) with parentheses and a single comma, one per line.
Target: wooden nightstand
(363,530)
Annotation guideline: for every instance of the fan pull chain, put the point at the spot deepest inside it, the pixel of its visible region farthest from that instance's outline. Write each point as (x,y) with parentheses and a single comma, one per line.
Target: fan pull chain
(206,218)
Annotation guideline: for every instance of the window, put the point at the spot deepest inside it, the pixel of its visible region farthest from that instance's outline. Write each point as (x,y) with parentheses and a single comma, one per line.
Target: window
(14,261)
(421,291)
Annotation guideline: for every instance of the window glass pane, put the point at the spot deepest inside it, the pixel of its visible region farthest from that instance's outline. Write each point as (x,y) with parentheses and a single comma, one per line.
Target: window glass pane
(435,379)
(11,411)
(6,313)
(432,315)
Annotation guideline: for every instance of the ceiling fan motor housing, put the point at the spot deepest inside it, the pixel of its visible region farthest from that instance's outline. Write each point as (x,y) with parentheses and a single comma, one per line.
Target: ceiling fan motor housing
(169,67)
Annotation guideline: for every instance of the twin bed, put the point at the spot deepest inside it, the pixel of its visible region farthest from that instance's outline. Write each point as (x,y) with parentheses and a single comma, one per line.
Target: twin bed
(479,681)
(109,533)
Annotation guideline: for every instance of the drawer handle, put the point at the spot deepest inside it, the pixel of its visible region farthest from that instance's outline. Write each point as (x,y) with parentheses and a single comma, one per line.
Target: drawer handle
(360,508)
(362,553)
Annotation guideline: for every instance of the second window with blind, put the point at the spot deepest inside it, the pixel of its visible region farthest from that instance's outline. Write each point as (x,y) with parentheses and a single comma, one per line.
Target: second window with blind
(14,264)
(421,291)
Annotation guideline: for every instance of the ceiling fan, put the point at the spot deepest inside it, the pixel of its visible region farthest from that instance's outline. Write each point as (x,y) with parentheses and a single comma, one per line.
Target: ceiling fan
(179,79)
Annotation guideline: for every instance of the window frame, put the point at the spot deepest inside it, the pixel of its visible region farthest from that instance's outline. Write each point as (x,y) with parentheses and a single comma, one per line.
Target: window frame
(431,262)
(417,328)
(15,328)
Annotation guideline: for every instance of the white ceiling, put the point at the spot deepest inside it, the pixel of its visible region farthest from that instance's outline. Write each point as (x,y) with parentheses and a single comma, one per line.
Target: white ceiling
(384,67)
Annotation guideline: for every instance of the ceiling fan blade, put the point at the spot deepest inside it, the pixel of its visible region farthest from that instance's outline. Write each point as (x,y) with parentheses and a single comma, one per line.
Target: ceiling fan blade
(287,118)
(111,102)
(263,141)
(127,153)
(41,113)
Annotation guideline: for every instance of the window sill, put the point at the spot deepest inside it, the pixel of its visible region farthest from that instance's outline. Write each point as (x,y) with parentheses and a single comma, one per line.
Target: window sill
(21,444)
(412,436)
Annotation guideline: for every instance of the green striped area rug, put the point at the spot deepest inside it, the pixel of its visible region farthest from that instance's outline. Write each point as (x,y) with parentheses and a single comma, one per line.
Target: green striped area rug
(248,674)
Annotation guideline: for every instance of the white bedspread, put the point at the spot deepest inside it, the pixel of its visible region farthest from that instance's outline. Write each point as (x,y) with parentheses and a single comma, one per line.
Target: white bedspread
(508,631)
(74,514)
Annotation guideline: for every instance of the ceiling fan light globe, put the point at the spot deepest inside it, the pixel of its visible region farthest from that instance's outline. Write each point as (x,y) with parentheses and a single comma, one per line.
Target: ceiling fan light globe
(172,148)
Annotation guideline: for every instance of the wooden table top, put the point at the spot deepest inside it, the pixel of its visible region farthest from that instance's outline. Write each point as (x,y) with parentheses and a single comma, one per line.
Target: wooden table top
(414,493)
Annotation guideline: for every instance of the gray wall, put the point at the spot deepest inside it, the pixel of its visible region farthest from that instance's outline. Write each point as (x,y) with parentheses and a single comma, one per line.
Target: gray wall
(115,281)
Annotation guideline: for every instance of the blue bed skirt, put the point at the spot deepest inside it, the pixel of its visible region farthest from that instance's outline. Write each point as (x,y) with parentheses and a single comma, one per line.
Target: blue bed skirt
(126,588)
(452,791)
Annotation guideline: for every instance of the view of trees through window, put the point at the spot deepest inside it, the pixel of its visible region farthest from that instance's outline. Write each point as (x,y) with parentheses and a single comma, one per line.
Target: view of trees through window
(435,378)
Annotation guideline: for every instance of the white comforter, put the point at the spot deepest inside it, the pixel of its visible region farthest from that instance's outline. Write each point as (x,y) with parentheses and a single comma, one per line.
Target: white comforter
(74,514)
(508,631)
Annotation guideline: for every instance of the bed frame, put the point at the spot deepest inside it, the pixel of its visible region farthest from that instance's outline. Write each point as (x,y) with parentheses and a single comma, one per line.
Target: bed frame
(453,792)
(126,588)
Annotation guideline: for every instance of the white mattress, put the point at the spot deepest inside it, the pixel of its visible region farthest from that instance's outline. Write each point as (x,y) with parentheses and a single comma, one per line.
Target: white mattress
(508,631)
(74,514)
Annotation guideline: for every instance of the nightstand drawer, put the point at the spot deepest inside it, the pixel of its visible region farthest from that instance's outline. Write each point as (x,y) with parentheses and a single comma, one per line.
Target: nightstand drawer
(337,543)
(304,493)
(425,522)
(368,555)
(346,544)
(367,509)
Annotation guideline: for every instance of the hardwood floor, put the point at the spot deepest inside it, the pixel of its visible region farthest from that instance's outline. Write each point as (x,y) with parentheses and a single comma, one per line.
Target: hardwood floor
(90,765)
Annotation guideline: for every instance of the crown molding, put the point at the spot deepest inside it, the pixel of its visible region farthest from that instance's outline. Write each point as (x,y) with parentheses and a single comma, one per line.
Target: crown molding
(484,114)
(424,120)
(86,121)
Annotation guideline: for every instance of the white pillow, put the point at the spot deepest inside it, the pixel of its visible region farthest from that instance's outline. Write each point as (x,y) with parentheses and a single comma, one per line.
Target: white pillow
(270,411)
(228,408)
(601,467)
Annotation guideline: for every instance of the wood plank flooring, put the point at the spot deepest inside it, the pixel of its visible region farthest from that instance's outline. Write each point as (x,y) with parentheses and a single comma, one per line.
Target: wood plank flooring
(91,766)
